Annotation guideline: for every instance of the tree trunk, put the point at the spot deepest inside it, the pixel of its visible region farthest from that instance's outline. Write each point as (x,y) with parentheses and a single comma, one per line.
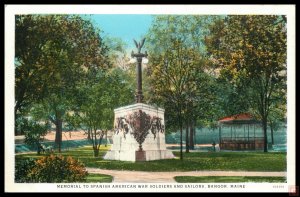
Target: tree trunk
(94,137)
(180,125)
(272,136)
(105,138)
(192,147)
(195,135)
(181,156)
(187,148)
(96,152)
(18,132)
(89,134)
(16,124)
(38,148)
(220,137)
(264,124)
(58,134)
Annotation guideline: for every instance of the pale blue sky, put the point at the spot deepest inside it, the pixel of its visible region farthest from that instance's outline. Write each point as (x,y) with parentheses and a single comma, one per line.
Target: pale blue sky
(124,26)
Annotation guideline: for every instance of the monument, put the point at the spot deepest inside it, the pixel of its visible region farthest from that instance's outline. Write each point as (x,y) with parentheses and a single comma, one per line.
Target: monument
(139,128)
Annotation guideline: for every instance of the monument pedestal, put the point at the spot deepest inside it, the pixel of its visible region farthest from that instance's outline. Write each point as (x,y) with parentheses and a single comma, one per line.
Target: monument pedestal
(140,155)
(136,125)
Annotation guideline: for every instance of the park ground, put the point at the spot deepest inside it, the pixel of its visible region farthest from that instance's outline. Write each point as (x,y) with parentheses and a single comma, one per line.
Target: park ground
(195,167)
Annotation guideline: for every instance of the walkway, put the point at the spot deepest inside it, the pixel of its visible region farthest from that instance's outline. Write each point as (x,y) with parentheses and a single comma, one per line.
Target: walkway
(168,177)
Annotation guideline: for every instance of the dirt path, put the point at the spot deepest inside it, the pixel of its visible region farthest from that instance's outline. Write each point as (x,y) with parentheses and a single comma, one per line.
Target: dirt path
(168,177)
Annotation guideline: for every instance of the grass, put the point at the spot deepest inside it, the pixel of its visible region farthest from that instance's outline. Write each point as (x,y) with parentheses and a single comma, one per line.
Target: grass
(229,179)
(236,161)
(99,178)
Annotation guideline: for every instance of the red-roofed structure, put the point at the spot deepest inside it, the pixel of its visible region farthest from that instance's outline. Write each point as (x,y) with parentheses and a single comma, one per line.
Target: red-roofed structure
(240,137)
(243,118)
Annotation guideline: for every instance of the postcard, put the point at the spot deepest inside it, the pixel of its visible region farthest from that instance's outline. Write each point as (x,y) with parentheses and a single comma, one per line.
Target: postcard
(150,98)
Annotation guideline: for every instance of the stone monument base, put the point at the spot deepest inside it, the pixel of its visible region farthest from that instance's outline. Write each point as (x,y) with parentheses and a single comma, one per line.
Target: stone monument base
(125,146)
(133,155)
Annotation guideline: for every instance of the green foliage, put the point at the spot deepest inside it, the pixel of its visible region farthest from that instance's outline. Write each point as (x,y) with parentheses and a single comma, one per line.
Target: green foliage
(53,53)
(229,179)
(34,133)
(49,54)
(117,55)
(57,169)
(179,75)
(278,110)
(250,52)
(22,168)
(21,123)
(231,98)
(96,100)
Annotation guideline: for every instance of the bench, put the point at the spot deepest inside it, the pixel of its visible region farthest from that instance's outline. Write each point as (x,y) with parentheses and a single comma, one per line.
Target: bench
(46,149)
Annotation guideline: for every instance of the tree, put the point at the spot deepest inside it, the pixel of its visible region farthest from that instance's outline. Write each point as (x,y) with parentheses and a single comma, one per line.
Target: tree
(251,51)
(52,53)
(118,55)
(276,118)
(97,97)
(34,133)
(177,68)
(35,125)
(170,74)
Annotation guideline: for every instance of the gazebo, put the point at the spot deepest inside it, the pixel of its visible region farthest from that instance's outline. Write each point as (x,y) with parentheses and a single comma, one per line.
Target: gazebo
(240,132)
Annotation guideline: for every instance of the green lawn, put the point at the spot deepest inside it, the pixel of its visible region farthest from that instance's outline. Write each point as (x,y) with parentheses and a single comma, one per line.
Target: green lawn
(99,178)
(228,179)
(248,161)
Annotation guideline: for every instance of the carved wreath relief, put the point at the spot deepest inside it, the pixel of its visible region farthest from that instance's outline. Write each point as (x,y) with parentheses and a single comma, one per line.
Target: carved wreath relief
(139,124)
(122,126)
(156,126)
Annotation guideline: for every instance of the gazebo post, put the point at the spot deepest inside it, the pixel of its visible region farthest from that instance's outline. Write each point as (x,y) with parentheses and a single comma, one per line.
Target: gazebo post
(219,135)
(195,139)
(254,137)
(248,132)
(245,132)
(235,132)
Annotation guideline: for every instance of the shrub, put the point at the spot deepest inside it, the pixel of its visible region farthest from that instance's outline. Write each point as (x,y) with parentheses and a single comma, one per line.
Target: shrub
(22,168)
(57,169)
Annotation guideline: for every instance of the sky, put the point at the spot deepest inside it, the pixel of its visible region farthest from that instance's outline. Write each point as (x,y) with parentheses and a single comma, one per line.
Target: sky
(124,26)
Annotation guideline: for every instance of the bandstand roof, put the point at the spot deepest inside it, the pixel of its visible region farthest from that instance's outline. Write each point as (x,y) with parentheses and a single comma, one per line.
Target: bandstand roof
(243,118)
